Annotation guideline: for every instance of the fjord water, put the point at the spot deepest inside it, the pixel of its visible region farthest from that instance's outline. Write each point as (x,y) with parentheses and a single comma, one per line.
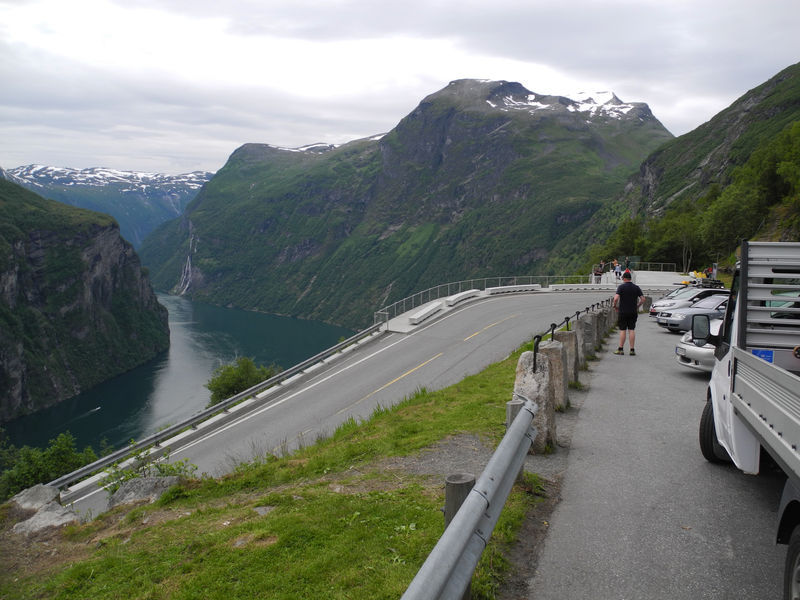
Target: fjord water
(171,387)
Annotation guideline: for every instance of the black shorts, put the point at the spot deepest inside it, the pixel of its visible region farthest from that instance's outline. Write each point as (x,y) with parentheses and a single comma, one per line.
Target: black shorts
(627,320)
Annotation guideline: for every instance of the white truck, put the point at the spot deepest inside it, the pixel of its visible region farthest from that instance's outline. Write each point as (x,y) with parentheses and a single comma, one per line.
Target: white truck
(753,398)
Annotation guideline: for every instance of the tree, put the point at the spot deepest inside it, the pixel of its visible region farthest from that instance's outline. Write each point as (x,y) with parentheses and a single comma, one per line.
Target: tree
(228,380)
(26,466)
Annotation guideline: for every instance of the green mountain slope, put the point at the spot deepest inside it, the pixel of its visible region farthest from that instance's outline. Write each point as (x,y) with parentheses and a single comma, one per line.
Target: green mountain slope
(75,305)
(733,177)
(482,178)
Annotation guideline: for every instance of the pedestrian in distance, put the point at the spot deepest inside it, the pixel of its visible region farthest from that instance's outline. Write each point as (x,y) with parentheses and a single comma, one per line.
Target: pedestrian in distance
(617,269)
(627,301)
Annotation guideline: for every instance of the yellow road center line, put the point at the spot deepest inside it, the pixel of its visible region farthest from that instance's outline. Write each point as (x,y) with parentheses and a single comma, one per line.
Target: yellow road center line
(395,380)
(466,339)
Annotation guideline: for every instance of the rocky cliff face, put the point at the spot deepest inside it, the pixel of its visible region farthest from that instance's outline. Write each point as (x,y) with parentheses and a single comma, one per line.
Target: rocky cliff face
(76,307)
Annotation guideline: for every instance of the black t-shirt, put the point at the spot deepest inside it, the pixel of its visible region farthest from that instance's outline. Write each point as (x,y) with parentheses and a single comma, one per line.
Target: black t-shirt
(629,294)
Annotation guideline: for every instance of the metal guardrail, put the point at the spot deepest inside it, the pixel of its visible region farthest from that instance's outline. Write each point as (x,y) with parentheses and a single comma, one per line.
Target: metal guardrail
(639,266)
(448,289)
(447,571)
(165,434)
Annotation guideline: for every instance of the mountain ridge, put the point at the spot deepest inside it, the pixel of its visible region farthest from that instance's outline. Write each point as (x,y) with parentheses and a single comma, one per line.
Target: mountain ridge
(458,188)
(139,201)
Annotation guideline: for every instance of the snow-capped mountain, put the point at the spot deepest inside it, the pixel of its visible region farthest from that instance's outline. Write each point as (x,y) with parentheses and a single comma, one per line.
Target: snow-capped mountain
(595,104)
(138,201)
(96,176)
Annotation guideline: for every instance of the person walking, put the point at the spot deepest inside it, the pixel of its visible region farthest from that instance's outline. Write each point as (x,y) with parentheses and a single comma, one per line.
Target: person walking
(617,269)
(627,301)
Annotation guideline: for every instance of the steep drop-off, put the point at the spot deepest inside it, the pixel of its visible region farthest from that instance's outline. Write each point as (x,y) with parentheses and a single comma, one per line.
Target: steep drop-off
(76,307)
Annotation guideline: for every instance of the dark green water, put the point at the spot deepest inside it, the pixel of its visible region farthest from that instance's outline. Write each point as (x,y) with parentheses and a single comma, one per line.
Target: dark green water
(170,387)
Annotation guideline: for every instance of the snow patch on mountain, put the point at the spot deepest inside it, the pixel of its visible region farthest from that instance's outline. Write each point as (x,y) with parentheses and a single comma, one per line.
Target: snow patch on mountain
(130,181)
(593,104)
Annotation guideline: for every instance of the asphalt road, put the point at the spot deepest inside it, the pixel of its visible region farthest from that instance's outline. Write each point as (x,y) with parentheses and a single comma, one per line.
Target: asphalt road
(642,514)
(382,372)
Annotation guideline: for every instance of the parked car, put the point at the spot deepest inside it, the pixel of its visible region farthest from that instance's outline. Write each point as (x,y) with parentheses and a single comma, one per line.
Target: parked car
(680,318)
(700,358)
(686,297)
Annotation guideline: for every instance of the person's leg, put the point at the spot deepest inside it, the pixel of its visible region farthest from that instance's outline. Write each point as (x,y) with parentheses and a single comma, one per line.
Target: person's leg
(622,332)
(632,338)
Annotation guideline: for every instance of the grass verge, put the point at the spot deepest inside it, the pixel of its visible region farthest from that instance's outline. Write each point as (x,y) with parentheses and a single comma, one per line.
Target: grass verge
(330,520)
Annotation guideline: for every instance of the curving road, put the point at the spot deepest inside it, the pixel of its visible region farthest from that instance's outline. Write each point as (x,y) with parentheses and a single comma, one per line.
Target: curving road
(379,373)
(383,372)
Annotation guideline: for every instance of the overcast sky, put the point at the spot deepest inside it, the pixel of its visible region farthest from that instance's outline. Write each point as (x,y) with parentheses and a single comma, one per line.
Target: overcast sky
(174,86)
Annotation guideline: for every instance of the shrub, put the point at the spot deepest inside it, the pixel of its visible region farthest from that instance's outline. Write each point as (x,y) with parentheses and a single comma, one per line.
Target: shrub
(228,380)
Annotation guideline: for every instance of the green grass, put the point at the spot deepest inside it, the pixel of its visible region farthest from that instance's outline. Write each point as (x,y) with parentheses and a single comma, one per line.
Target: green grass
(339,525)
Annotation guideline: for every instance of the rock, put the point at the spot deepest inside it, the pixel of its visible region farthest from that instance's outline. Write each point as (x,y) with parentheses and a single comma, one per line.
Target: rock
(50,515)
(35,497)
(142,488)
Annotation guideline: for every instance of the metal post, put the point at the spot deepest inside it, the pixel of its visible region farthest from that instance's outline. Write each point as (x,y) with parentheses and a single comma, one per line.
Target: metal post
(536,340)
(457,487)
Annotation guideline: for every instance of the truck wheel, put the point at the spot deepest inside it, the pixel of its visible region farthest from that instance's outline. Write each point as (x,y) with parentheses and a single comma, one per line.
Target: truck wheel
(791,572)
(709,445)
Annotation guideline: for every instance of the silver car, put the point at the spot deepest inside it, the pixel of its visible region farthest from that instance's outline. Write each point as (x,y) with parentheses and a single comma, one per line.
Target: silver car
(686,297)
(680,318)
(700,358)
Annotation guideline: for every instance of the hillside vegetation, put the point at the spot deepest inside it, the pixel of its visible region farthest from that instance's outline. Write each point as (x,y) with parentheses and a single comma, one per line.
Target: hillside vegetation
(735,177)
(482,178)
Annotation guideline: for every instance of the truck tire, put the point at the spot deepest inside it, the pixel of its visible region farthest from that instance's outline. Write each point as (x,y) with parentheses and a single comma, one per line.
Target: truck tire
(791,572)
(709,445)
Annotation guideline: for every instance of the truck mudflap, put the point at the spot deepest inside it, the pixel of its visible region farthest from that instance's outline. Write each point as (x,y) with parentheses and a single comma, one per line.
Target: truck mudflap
(735,435)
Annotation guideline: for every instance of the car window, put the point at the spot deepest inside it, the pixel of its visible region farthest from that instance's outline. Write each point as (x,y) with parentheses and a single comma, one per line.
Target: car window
(686,293)
(675,292)
(709,302)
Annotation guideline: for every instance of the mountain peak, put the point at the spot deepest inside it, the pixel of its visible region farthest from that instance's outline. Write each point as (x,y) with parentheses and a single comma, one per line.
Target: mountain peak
(506,96)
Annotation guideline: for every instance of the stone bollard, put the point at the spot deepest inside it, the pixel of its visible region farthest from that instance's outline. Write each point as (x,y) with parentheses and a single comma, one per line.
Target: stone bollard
(556,355)
(579,345)
(537,387)
(611,319)
(586,322)
(570,341)
(599,330)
